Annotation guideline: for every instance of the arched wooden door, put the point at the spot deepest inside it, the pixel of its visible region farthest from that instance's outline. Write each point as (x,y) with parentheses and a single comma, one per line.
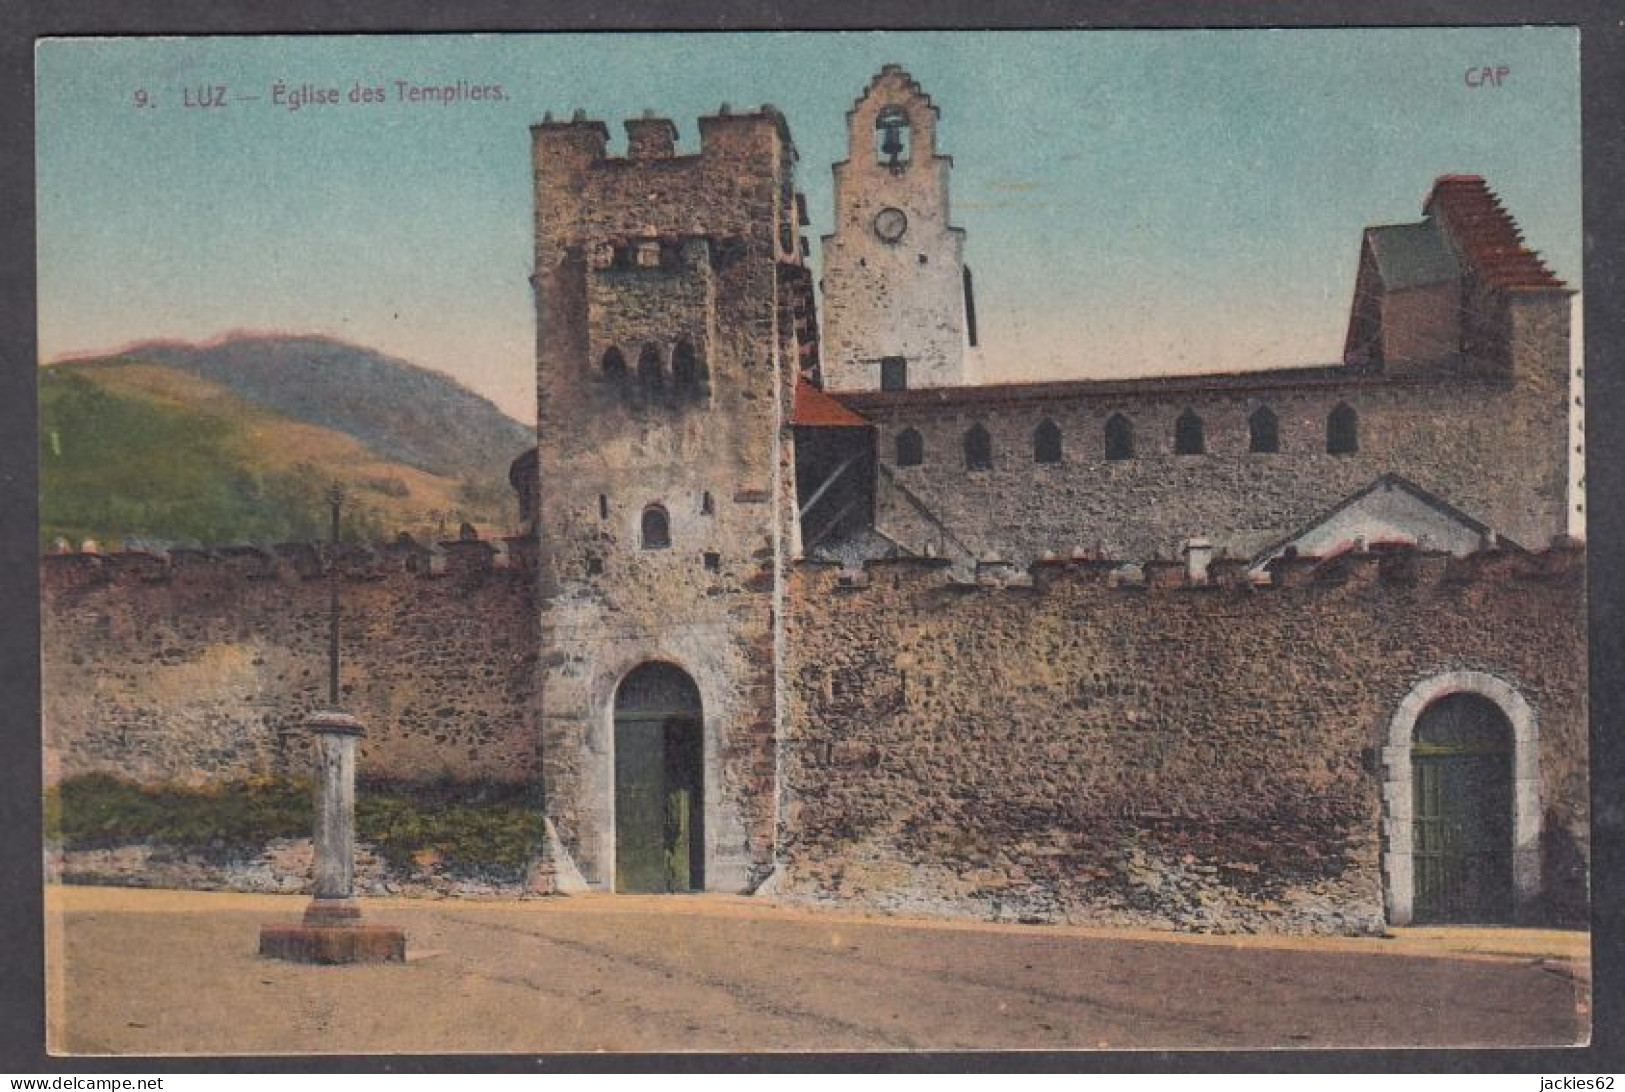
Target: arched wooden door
(1461,771)
(659,781)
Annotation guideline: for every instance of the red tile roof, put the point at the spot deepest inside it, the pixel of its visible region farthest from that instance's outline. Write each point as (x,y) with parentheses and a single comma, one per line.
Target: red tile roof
(1486,233)
(816,408)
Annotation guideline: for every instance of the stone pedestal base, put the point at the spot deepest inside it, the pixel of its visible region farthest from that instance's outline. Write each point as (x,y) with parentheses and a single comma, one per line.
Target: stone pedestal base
(332,931)
(349,942)
(332,912)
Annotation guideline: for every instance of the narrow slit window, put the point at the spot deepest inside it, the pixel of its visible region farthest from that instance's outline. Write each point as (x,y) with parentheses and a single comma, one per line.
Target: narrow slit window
(1342,431)
(650,373)
(1263,431)
(685,367)
(1188,436)
(1119,438)
(910,448)
(978,449)
(1047,443)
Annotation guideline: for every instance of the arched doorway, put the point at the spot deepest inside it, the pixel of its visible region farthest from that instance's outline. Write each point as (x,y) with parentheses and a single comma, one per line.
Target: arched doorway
(659,781)
(1497,718)
(1461,795)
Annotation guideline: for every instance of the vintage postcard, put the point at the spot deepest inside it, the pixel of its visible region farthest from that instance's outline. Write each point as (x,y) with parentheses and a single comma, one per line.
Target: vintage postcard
(813,541)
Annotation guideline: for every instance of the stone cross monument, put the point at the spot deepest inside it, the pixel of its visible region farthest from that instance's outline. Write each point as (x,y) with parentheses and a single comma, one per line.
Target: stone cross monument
(332,931)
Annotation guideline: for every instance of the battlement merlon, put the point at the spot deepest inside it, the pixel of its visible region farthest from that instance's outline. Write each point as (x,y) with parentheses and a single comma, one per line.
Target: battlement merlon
(741,183)
(1397,565)
(469,560)
(650,137)
(575,142)
(582,140)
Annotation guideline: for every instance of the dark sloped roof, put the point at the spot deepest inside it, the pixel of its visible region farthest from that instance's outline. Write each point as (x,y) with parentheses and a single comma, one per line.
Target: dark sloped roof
(1412,255)
(1486,234)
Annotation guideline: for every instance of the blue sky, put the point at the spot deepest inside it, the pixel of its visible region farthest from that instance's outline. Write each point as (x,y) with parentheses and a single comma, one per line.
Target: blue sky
(1135,202)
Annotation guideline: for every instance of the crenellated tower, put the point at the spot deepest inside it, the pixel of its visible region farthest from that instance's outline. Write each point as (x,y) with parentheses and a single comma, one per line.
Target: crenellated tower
(670,297)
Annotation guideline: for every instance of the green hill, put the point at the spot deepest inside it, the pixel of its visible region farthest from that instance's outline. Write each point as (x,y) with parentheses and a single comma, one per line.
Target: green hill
(403,412)
(131,449)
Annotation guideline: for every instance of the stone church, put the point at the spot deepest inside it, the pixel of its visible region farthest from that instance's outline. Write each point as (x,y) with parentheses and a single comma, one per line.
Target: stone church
(804,608)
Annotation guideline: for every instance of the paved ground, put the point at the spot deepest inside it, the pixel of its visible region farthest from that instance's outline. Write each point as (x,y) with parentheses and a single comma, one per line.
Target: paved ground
(176,972)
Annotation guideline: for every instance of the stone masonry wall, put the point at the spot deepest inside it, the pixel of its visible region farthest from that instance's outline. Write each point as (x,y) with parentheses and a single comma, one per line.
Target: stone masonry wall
(1495,450)
(202,672)
(1206,757)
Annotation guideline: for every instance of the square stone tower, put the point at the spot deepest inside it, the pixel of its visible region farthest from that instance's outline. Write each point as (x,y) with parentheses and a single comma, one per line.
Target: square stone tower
(897,309)
(668,290)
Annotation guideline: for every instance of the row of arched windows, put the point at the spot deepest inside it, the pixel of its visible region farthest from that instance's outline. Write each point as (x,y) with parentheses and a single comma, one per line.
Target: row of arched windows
(1263,437)
(684,372)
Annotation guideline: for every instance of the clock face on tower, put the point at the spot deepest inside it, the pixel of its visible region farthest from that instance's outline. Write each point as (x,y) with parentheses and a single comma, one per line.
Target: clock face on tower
(890,224)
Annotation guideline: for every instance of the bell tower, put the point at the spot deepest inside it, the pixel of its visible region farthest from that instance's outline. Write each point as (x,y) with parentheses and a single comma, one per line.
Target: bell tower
(896,293)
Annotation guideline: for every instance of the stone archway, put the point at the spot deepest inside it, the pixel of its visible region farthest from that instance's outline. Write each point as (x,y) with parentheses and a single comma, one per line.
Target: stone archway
(659,781)
(1398,805)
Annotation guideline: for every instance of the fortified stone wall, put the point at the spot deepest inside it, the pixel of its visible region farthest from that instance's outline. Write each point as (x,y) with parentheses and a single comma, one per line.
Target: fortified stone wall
(1493,449)
(201,668)
(1058,747)
(1050,746)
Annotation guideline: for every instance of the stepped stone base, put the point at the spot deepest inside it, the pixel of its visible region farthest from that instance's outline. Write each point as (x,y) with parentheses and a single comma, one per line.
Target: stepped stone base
(332,932)
(333,943)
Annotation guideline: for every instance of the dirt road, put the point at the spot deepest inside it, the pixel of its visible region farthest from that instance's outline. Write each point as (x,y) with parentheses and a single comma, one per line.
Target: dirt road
(177,972)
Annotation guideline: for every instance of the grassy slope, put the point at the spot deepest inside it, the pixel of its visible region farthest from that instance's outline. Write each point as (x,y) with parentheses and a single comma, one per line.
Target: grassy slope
(401,411)
(131,449)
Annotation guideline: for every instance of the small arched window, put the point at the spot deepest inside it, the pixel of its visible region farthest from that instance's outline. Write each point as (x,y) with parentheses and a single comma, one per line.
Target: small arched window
(656,528)
(978,449)
(614,364)
(685,366)
(1119,438)
(1188,438)
(1047,443)
(1342,431)
(650,373)
(910,448)
(1264,434)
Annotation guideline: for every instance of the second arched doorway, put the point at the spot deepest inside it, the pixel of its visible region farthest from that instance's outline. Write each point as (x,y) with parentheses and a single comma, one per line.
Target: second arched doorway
(1461,768)
(659,781)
